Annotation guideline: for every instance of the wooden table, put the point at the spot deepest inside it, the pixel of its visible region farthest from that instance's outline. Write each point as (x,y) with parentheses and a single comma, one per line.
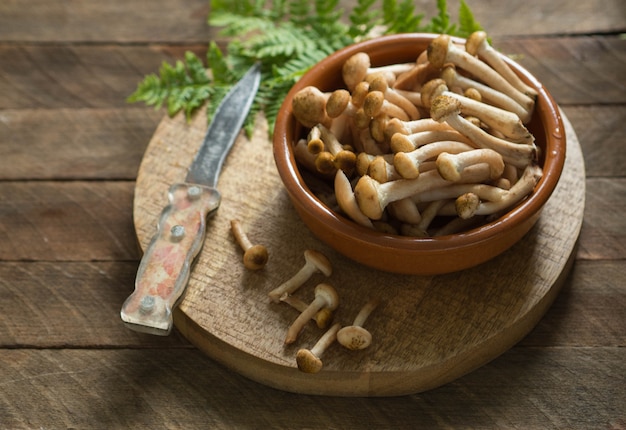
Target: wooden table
(70,148)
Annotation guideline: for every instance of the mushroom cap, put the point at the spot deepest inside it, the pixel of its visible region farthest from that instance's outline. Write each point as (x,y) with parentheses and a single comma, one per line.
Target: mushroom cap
(466,205)
(329,294)
(319,260)
(255,257)
(437,50)
(355,69)
(354,337)
(432,89)
(475,41)
(443,106)
(307,361)
(309,106)
(367,196)
(337,102)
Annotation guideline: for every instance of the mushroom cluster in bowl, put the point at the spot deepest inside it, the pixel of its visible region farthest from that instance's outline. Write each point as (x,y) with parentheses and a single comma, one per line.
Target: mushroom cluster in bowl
(419,154)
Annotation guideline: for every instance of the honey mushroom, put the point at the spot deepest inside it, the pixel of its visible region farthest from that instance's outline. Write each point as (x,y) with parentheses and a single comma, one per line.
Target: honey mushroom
(309,360)
(325,297)
(477,44)
(314,262)
(448,109)
(379,83)
(255,256)
(322,318)
(358,67)
(373,197)
(450,166)
(522,188)
(355,336)
(407,164)
(347,202)
(401,142)
(504,121)
(441,50)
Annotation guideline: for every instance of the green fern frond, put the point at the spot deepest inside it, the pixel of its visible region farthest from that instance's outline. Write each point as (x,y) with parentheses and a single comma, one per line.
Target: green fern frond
(288,37)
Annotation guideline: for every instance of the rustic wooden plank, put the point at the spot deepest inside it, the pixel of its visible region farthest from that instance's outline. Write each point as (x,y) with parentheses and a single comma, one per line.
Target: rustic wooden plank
(78,76)
(548,388)
(64,304)
(601,130)
(75,143)
(109,21)
(74,76)
(185,21)
(582,70)
(84,299)
(603,234)
(59,221)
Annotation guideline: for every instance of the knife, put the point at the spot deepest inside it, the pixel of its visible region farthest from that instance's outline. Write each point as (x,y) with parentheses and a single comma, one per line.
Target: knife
(165,267)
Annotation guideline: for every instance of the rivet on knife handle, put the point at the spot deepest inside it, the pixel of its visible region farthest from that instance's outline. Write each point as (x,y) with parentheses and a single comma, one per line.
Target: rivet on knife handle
(164,269)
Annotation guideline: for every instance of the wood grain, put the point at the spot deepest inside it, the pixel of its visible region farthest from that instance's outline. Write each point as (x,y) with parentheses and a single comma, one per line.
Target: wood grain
(429,331)
(171,389)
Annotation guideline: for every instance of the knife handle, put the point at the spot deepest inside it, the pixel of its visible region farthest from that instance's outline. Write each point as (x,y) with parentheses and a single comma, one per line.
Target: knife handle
(164,269)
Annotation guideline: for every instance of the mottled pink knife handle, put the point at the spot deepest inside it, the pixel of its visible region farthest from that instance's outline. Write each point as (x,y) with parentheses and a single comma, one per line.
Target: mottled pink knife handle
(164,269)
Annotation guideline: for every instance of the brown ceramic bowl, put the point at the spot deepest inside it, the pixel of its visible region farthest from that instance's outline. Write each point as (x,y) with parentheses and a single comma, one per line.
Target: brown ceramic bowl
(401,254)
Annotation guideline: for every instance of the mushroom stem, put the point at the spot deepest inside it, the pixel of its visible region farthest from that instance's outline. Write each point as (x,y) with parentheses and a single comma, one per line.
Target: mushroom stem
(314,262)
(309,360)
(255,256)
(325,297)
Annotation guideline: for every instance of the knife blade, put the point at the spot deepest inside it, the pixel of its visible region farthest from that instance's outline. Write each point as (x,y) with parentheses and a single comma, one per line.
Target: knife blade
(166,265)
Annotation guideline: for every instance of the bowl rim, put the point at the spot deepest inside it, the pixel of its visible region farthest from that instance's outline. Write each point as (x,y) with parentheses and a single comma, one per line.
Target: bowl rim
(342,225)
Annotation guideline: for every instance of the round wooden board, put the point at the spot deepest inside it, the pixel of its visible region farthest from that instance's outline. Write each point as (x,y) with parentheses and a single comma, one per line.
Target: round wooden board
(426,332)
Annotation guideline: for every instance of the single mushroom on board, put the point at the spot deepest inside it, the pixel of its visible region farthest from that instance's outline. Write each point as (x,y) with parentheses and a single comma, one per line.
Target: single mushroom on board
(325,297)
(309,360)
(448,109)
(255,256)
(442,50)
(314,262)
(355,336)
(321,318)
(477,44)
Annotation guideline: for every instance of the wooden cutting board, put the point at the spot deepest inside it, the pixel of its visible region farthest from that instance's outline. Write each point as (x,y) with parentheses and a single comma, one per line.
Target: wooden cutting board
(427,331)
